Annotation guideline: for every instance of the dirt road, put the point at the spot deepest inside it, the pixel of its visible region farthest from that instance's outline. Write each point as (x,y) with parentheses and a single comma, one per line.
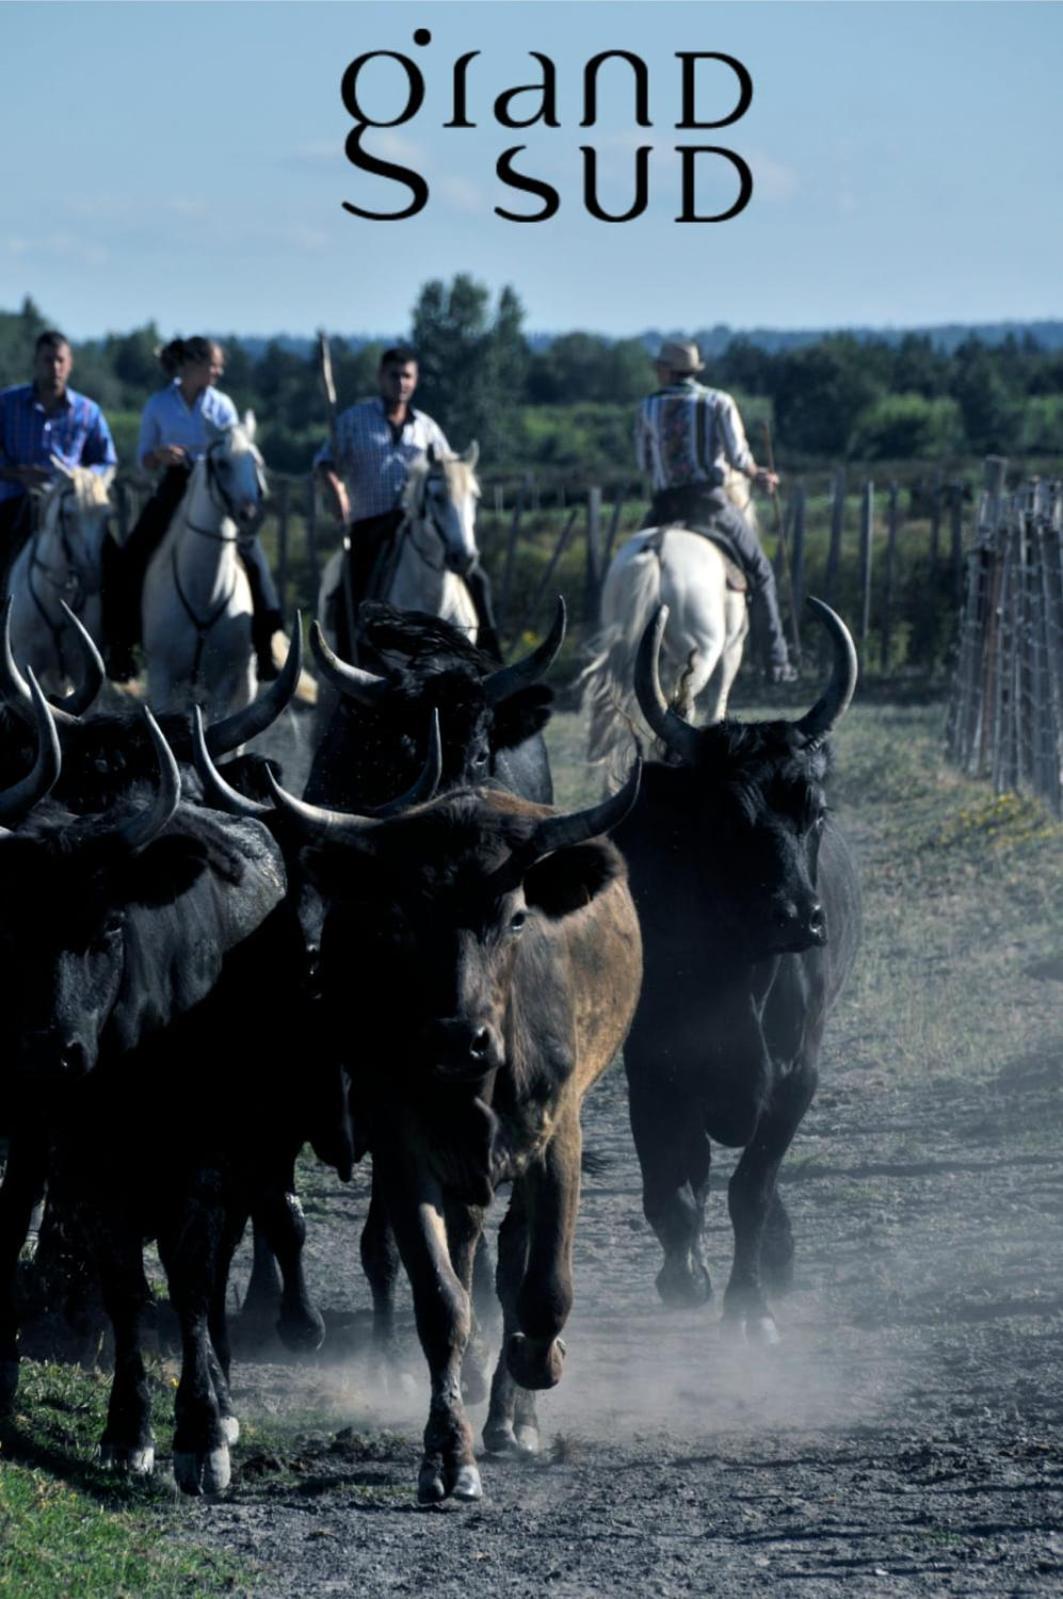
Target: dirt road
(904,1438)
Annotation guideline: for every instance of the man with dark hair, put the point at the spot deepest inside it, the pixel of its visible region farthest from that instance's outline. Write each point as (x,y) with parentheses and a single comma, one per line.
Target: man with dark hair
(364,469)
(686,437)
(39,420)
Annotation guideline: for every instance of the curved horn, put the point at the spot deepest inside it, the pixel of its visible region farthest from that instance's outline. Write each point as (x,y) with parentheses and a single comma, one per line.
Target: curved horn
(834,701)
(241,726)
(219,794)
(556,832)
(520,674)
(350,681)
(676,734)
(137,832)
(13,686)
(17,801)
(318,823)
(77,703)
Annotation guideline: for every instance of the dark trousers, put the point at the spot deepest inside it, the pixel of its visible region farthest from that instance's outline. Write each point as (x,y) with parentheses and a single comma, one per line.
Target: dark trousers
(700,507)
(16,525)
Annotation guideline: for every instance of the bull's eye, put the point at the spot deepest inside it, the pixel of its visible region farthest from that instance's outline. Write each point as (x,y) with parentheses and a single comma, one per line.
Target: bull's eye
(517,921)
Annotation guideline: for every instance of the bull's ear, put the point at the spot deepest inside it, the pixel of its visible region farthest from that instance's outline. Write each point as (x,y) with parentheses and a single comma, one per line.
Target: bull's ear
(161,873)
(520,716)
(570,878)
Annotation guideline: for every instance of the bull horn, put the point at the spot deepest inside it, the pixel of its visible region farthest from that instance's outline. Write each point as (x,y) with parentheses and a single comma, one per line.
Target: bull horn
(354,684)
(507,679)
(677,735)
(557,832)
(83,697)
(13,686)
(318,823)
(137,832)
(835,699)
(242,726)
(17,801)
(219,794)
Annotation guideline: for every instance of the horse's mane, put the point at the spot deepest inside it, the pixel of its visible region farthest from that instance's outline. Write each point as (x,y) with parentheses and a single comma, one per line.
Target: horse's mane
(461,479)
(90,489)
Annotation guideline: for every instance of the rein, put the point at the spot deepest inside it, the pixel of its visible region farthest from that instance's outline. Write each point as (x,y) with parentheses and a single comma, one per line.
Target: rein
(202,625)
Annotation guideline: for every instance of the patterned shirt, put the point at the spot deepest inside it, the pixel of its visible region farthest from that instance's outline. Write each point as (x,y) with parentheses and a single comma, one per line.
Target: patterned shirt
(374,457)
(169,419)
(687,433)
(76,432)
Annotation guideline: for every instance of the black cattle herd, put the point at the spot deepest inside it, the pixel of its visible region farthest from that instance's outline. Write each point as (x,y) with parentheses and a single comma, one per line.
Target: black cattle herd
(420,960)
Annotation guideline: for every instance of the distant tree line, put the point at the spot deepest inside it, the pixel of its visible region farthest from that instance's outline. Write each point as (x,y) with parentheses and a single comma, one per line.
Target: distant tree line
(567,406)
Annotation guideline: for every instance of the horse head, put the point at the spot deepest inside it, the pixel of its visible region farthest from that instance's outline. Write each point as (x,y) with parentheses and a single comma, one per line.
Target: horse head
(235,471)
(441,492)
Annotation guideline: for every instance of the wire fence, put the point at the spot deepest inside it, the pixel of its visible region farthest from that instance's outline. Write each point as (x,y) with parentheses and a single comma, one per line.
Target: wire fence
(1006,710)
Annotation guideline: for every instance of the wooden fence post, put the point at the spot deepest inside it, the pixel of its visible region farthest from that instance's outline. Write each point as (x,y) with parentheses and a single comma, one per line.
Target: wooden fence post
(284,493)
(837,523)
(892,519)
(592,582)
(797,556)
(956,557)
(867,523)
(614,525)
(311,538)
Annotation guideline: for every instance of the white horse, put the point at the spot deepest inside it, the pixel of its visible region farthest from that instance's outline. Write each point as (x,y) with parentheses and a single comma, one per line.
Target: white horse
(58,573)
(434,547)
(197,599)
(707,626)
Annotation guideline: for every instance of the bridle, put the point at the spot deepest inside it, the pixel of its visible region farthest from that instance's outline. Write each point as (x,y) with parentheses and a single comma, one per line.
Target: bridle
(423,515)
(71,582)
(219,496)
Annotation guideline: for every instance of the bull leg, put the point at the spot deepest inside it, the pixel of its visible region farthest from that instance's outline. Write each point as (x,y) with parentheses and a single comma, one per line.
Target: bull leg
(755,1209)
(219,1353)
(279,1216)
(535,1354)
(262,1301)
(512,1426)
(192,1247)
(127,1443)
(441,1306)
(464,1235)
(380,1262)
(22,1190)
(673,1153)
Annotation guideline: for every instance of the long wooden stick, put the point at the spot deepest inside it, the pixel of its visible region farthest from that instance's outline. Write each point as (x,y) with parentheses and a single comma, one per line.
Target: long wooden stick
(780,529)
(328,384)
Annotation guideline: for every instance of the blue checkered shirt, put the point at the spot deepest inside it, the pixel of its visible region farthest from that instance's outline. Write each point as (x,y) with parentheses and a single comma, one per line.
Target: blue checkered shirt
(77,433)
(373,464)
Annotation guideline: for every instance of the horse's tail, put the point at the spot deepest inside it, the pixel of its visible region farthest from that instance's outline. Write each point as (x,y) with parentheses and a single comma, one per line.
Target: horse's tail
(608,680)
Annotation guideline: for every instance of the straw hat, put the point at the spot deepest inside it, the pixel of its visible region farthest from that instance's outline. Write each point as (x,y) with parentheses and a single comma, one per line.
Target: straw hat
(680,357)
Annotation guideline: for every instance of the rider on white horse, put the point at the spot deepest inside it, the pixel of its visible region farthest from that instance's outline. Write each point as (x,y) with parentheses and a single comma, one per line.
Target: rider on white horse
(44,427)
(686,437)
(375,444)
(177,426)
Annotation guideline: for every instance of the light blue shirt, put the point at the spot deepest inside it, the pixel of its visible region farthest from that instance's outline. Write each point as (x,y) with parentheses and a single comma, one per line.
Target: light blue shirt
(169,419)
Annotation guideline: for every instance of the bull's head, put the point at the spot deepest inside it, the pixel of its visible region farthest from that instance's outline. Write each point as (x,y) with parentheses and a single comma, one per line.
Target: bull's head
(69,885)
(751,802)
(483,715)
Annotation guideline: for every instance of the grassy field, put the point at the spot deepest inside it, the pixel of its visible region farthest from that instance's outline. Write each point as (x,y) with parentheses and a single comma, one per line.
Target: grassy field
(959,972)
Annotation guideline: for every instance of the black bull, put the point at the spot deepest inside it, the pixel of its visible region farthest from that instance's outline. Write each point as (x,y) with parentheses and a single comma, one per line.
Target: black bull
(509,934)
(749,906)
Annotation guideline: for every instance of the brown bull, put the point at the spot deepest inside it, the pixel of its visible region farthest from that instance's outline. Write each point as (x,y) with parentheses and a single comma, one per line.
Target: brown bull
(481,963)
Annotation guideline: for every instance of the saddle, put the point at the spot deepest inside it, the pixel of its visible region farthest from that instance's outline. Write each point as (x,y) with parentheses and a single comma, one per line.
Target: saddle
(734,573)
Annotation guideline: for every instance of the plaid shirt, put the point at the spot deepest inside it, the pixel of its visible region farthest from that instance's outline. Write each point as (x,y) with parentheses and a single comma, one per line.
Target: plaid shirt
(687,433)
(77,433)
(374,462)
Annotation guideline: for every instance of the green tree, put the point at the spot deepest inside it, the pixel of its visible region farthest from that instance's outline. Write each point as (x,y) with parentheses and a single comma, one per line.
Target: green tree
(820,394)
(467,356)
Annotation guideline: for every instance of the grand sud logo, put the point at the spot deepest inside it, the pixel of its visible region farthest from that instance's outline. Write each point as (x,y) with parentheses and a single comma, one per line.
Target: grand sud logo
(542,100)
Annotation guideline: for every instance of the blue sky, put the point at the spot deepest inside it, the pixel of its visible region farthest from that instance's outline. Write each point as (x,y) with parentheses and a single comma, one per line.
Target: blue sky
(185,162)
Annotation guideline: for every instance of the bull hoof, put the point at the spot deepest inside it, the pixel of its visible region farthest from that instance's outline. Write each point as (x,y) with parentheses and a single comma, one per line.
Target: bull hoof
(519,1443)
(230,1429)
(202,1473)
(467,1485)
(138,1462)
(681,1287)
(533,1366)
(431,1489)
(302,1332)
(758,1329)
